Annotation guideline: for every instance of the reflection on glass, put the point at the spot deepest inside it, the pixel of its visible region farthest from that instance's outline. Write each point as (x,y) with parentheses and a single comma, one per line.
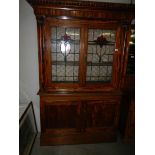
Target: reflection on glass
(65,47)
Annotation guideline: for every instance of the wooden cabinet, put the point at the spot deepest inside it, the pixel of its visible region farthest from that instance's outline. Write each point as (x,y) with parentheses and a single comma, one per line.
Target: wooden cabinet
(79,118)
(81,63)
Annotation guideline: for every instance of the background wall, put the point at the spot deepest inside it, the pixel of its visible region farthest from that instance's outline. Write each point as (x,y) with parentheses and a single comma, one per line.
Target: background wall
(28,56)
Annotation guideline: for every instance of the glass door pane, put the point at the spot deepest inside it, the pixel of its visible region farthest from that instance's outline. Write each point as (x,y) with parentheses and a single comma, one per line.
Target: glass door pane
(101,47)
(65,44)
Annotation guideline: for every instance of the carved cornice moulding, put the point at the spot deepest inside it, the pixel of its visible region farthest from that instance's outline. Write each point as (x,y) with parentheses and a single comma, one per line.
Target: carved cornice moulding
(82,9)
(82,4)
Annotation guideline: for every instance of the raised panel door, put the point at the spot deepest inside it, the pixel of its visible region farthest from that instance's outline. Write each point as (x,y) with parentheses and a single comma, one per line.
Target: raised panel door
(101,114)
(62,115)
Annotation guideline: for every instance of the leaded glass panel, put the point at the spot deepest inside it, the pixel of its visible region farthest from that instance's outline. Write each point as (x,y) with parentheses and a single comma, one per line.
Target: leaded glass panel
(101,46)
(65,66)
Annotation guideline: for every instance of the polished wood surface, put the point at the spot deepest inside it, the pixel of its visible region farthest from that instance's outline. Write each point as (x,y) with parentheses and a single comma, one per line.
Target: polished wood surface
(73,120)
(80,112)
(127,119)
(83,9)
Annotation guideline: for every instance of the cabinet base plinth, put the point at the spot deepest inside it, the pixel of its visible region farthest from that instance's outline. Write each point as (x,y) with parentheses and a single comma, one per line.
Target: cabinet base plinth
(77,138)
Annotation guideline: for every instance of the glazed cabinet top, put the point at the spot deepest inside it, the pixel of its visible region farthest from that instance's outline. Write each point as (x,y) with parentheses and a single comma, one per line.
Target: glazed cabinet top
(81,44)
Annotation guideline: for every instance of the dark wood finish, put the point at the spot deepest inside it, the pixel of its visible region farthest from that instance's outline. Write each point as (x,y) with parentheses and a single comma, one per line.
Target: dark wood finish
(127,113)
(83,25)
(40,21)
(125,79)
(83,9)
(127,121)
(73,113)
(91,136)
(79,118)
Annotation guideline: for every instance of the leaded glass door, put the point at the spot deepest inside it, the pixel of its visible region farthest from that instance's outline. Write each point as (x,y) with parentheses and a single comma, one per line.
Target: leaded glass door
(79,55)
(65,44)
(100,55)
(62,53)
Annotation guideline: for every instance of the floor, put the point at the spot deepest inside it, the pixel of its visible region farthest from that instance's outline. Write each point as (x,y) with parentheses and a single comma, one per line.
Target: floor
(117,148)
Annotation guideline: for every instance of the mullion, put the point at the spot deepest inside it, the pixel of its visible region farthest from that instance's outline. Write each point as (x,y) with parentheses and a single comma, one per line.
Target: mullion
(92,59)
(56,55)
(99,67)
(74,55)
(99,73)
(108,59)
(65,60)
(100,58)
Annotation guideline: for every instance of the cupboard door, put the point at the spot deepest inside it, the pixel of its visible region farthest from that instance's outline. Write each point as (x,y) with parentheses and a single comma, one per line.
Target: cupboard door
(101,47)
(101,114)
(104,52)
(61,115)
(65,51)
(62,53)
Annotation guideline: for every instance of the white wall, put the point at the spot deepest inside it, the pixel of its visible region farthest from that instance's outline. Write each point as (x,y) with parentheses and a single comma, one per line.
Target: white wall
(28,58)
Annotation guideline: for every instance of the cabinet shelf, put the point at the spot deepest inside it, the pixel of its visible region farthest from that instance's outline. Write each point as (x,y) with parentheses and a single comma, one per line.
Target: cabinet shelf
(99,63)
(54,41)
(57,41)
(76,63)
(98,81)
(68,63)
(94,43)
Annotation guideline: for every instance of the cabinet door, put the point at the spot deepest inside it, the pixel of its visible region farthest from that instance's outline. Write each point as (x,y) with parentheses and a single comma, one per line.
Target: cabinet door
(61,115)
(77,53)
(101,114)
(103,55)
(62,53)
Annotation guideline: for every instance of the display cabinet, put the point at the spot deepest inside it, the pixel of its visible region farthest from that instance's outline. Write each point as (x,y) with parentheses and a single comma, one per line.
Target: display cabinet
(81,55)
(81,63)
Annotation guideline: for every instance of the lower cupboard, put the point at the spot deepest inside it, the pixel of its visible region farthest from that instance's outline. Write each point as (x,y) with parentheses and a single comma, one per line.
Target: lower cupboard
(74,121)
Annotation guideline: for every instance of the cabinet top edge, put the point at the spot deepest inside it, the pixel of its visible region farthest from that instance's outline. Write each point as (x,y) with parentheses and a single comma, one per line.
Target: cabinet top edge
(83,93)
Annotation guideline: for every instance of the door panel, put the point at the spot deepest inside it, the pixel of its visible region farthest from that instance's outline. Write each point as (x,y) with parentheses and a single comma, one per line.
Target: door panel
(61,115)
(100,114)
(101,47)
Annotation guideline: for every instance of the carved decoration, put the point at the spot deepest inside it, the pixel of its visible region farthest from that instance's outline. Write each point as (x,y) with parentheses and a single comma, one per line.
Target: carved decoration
(40,19)
(83,9)
(82,4)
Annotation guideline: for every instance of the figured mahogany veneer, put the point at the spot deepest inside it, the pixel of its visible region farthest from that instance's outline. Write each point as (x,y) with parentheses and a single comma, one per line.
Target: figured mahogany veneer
(80,112)
(79,118)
